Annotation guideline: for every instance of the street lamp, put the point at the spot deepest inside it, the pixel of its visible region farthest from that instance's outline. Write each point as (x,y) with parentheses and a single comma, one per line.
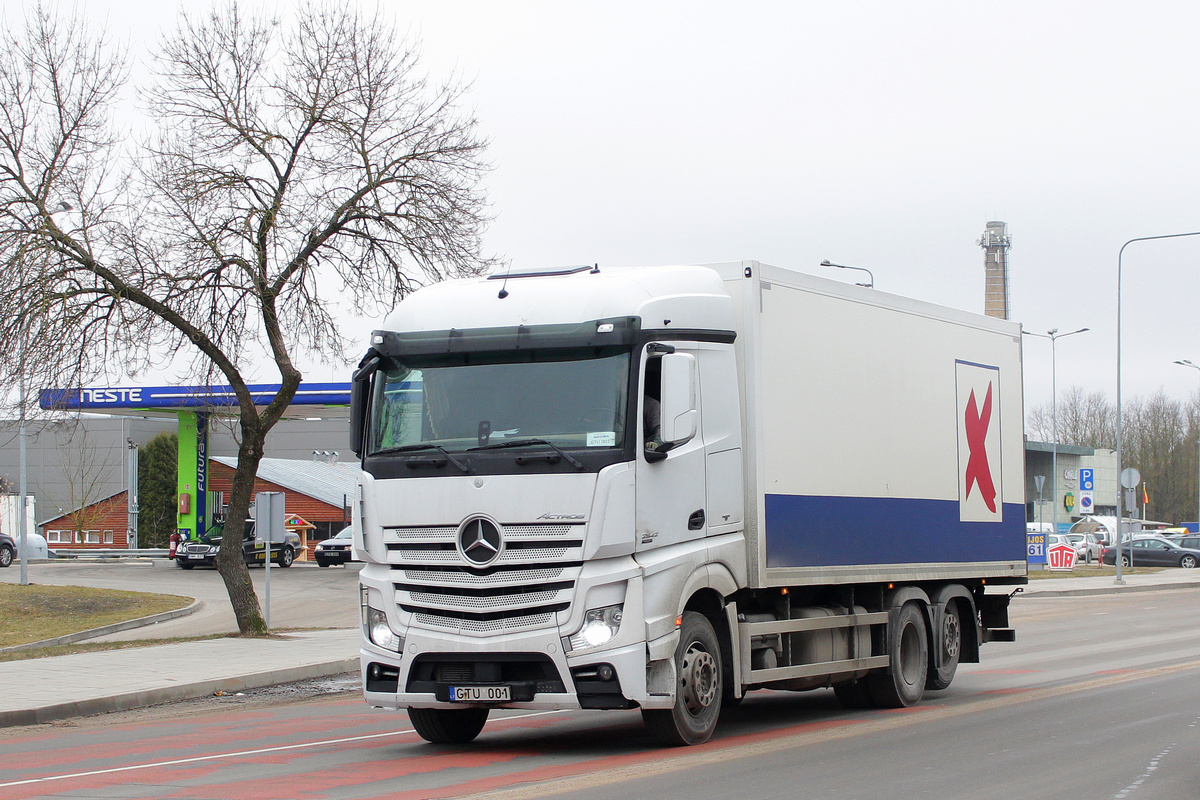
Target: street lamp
(1053,335)
(1120,255)
(1186,363)
(870,285)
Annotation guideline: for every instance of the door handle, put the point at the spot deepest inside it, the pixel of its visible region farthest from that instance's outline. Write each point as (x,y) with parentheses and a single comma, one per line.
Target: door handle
(696,520)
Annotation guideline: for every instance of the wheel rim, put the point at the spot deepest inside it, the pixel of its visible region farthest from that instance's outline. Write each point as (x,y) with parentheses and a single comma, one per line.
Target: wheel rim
(6,556)
(1188,562)
(951,636)
(698,678)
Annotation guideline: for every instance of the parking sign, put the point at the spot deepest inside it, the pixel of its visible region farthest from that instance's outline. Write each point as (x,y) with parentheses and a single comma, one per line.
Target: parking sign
(1086,479)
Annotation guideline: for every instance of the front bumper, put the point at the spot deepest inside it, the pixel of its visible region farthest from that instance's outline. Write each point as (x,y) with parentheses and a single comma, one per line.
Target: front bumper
(539,674)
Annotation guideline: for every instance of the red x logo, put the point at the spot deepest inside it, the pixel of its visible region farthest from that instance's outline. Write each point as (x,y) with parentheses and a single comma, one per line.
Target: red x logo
(979,473)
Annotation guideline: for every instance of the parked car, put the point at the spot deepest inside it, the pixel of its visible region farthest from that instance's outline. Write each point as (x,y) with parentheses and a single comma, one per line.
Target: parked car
(1087,546)
(1153,552)
(203,553)
(8,550)
(336,550)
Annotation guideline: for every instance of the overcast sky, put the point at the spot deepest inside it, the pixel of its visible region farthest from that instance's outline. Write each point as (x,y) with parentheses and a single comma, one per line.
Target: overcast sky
(878,134)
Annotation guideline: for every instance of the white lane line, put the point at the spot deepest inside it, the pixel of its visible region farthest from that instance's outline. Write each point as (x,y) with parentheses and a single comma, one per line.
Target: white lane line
(236,754)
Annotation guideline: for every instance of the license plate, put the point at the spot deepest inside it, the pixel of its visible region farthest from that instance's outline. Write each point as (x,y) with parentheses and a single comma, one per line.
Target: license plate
(194,556)
(479,694)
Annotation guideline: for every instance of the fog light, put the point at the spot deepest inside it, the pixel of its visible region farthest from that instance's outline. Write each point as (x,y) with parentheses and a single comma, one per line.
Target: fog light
(605,672)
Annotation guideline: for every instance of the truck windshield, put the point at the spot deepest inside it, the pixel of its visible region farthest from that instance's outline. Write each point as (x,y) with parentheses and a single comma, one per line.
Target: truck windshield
(574,399)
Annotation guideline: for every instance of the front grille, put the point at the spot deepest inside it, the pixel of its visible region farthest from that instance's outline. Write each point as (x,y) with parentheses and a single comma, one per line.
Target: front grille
(532,579)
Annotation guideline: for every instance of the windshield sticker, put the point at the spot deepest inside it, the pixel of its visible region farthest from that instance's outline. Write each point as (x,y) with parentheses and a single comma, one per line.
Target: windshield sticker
(602,439)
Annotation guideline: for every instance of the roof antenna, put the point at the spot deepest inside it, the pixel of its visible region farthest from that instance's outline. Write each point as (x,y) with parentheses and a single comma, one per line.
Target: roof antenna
(503,292)
(595,270)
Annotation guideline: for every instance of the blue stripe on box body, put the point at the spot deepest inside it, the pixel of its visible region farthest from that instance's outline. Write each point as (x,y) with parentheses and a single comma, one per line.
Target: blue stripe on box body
(811,531)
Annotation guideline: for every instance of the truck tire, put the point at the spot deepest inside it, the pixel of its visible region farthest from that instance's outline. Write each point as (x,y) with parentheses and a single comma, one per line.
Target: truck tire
(699,688)
(448,725)
(949,639)
(903,683)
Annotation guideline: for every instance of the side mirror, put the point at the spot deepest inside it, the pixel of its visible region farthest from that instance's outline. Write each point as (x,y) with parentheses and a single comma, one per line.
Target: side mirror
(360,393)
(678,407)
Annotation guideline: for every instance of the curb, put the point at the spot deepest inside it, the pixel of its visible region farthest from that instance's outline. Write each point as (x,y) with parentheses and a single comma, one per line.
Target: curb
(168,694)
(1152,587)
(104,630)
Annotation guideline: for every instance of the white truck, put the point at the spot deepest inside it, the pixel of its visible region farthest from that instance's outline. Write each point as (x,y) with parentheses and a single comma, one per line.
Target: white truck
(664,487)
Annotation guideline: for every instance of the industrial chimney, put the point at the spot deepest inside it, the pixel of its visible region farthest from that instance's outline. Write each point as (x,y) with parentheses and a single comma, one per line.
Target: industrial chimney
(995,243)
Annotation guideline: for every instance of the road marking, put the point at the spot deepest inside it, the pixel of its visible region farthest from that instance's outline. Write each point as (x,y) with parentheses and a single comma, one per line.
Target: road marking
(237,754)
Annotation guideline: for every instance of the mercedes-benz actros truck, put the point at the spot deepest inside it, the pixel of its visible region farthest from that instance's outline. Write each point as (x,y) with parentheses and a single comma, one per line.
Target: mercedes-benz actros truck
(664,487)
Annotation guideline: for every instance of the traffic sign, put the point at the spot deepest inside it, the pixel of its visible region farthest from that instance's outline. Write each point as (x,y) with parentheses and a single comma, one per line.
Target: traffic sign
(1130,478)
(1087,502)
(1087,479)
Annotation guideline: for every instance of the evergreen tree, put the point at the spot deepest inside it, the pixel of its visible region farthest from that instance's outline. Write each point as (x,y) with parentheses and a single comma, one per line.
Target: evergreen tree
(157,483)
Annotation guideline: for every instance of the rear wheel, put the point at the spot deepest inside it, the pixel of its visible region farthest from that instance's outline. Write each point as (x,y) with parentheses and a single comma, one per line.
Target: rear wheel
(904,682)
(949,640)
(448,725)
(698,689)
(1188,562)
(1124,561)
(286,557)
(6,556)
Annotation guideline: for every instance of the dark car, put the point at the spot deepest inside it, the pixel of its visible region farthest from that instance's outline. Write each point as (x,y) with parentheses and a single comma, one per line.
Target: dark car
(1153,551)
(336,550)
(8,550)
(203,553)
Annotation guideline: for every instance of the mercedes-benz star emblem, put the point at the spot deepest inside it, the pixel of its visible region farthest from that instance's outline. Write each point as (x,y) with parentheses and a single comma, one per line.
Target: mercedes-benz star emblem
(479,541)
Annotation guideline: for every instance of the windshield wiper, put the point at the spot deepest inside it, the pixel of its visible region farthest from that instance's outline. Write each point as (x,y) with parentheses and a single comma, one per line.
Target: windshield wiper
(412,448)
(528,443)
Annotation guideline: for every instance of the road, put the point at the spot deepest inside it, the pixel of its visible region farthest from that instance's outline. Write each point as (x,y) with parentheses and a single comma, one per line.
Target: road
(1095,700)
(302,596)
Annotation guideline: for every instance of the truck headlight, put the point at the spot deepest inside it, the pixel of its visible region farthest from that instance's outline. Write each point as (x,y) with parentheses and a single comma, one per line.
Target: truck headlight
(599,625)
(381,633)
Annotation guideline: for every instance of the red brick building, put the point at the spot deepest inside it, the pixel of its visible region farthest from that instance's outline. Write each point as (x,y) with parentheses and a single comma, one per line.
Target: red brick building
(103,525)
(317,491)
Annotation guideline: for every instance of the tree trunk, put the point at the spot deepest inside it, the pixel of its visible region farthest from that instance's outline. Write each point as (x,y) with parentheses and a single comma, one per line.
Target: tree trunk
(230,562)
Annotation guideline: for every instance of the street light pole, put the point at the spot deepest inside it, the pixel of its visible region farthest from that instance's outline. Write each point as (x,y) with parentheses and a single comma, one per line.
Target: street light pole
(1053,335)
(1186,363)
(869,285)
(1120,256)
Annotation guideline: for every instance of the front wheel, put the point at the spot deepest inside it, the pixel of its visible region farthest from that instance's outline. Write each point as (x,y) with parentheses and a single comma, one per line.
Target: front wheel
(448,725)
(903,683)
(698,689)
(1188,562)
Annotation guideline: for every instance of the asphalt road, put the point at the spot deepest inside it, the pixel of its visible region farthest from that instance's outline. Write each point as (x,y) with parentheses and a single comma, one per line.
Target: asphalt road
(1095,700)
(302,596)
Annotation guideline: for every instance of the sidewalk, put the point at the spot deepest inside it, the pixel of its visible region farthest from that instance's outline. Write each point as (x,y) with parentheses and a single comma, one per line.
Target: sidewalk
(46,689)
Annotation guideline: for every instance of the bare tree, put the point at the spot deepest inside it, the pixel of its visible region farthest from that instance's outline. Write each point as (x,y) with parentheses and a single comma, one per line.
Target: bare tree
(295,173)
(87,471)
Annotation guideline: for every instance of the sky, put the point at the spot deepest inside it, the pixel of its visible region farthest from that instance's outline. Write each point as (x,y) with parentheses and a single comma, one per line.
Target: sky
(877,134)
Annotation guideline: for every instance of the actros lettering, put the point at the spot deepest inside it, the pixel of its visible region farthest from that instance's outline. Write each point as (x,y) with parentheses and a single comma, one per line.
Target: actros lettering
(561,516)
